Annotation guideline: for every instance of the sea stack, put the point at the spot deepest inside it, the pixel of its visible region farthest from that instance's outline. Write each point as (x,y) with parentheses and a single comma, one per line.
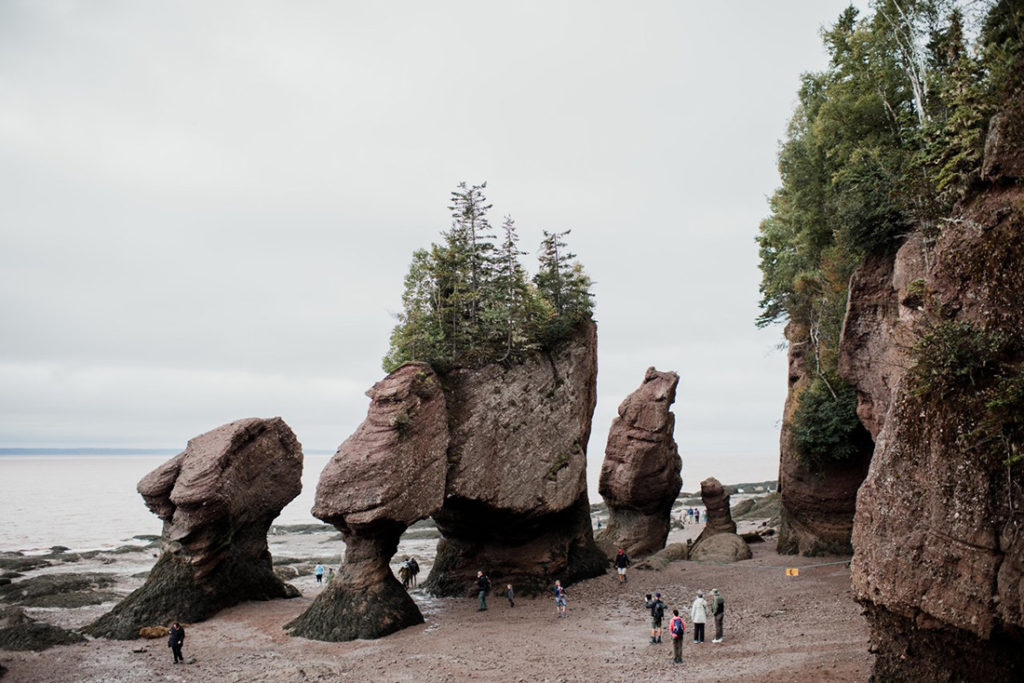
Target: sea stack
(718,542)
(217,500)
(640,475)
(515,500)
(387,475)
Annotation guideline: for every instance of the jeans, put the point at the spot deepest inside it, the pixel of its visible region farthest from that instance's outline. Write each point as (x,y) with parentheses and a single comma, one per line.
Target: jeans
(481,598)
(718,625)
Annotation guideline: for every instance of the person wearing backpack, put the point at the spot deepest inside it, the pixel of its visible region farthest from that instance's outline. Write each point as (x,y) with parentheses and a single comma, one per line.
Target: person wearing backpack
(657,608)
(677,629)
(718,612)
(560,600)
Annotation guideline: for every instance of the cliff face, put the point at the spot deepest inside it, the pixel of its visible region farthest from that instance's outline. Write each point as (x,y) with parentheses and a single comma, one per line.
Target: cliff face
(817,505)
(515,503)
(939,530)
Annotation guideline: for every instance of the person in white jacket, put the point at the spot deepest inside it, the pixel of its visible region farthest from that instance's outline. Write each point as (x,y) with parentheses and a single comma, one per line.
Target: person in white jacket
(699,616)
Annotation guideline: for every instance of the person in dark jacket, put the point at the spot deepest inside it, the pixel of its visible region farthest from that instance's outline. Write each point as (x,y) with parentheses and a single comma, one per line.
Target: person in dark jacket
(175,639)
(621,562)
(483,584)
(718,612)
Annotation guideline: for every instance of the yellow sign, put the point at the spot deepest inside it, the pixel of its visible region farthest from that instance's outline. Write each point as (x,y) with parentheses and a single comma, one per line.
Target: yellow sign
(792,571)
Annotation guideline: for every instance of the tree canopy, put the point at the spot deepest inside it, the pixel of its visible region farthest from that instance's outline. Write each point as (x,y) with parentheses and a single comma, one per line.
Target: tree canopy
(469,301)
(885,140)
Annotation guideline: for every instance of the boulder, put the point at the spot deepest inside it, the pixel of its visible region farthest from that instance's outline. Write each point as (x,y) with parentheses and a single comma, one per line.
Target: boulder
(661,559)
(515,499)
(718,514)
(153,632)
(939,557)
(640,475)
(723,548)
(817,505)
(386,476)
(36,636)
(217,500)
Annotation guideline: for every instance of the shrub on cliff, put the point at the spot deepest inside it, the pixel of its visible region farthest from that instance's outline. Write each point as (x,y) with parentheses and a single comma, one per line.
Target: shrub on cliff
(825,426)
(468,301)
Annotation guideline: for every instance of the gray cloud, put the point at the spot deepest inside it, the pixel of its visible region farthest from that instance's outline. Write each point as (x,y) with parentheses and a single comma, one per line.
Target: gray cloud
(209,208)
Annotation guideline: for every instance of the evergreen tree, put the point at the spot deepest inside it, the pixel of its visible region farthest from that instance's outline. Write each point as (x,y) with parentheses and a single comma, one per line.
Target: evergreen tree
(563,284)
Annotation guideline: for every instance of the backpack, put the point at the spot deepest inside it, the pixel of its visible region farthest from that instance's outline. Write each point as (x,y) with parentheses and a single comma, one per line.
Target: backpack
(658,609)
(677,627)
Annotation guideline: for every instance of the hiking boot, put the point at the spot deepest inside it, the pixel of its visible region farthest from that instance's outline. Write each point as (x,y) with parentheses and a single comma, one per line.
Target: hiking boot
(659,639)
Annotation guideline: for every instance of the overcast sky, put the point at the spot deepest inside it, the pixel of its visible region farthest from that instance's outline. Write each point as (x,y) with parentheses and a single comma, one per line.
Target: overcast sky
(209,207)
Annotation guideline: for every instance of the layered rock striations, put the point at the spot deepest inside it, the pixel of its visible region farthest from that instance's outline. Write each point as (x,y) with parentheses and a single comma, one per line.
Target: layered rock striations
(515,497)
(640,475)
(217,500)
(718,541)
(817,504)
(939,548)
(387,475)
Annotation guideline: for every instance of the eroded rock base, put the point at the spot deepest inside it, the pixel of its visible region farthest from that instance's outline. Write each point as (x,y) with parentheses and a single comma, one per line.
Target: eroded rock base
(646,533)
(529,554)
(173,592)
(905,651)
(345,612)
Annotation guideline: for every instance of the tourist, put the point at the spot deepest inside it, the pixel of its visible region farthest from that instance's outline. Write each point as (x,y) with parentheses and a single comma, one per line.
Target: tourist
(318,572)
(718,612)
(483,584)
(696,516)
(657,608)
(560,602)
(175,639)
(330,575)
(511,596)
(414,567)
(699,616)
(677,629)
(689,513)
(621,562)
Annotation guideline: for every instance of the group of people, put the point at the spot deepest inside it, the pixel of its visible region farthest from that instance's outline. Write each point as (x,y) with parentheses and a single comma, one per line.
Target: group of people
(700,612)
(318,572)
(692,515)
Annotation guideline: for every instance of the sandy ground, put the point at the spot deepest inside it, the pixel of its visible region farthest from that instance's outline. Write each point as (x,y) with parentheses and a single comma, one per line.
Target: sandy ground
(777,628)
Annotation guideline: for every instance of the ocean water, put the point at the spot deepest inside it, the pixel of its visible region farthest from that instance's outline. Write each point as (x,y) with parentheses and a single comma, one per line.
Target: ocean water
(86,502)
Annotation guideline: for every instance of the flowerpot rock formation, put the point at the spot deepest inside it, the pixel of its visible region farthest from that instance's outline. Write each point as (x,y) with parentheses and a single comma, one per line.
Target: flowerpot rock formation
(217,500)
(387,475)
(640,475)
(718,540)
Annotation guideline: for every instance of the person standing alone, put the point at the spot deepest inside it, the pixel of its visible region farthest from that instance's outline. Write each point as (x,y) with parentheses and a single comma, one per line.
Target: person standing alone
(483,584)
(318,572)
(699,616)
(657,608)
(621,562)
(175,639)
(718,612)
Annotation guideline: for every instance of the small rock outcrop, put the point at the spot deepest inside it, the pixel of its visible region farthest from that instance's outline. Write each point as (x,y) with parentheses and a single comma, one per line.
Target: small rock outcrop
(217,500)
(718,540)
(389,474)
(817,506)
(515,499)
(939,553)
(640,475)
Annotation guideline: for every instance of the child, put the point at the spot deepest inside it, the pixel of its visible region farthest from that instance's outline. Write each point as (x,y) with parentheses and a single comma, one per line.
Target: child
(511,596)
(560,602)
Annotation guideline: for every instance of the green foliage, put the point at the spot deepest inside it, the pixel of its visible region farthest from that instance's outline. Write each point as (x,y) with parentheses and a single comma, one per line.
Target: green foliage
(825,426)
(955,357)
(468,301)
(979,374)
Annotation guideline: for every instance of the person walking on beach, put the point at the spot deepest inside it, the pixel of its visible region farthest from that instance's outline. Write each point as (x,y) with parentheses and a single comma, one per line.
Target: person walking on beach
(560,601)
(318,572)
(718,612)
(175,639)
(699,616)
(511,596)
(330,575)
(483,585)
(677,629)
(696,516)
(621,562)
(657,608)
